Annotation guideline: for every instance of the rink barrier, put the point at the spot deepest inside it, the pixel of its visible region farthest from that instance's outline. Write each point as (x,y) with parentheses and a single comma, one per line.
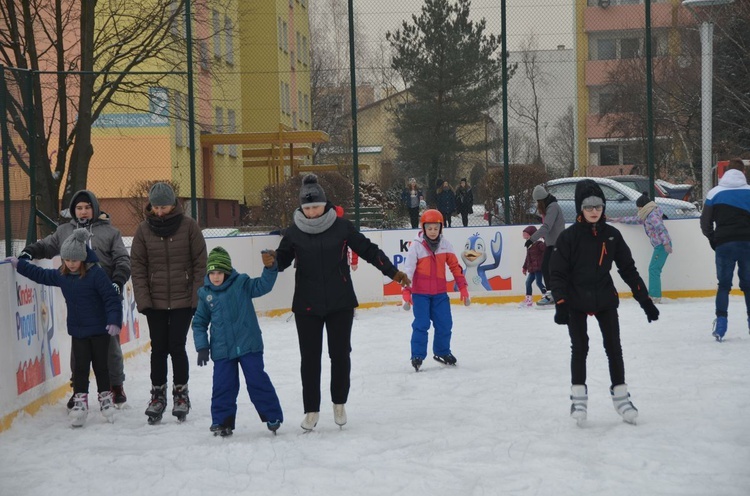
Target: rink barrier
(32,376)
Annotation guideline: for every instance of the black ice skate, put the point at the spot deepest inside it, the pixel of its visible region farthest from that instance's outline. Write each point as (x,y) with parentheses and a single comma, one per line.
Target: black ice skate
(158,403)
(416,362)
(181,405)
(448,359)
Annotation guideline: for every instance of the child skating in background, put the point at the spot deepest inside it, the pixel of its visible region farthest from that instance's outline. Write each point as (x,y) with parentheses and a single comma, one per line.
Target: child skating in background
(94,315)
(581,285)
(428,255)
(225,309)
(532,267)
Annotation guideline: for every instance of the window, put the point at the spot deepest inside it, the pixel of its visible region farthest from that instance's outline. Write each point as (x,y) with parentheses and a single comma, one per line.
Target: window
(203,55)
(219,128)
(279,35)
(229,40)
(285,36)
(606,50)
(158,102)
(305,51)
(298,47)
(288,94)
(217,34)
(630,48)
(175,27)
(609,155)
(232,128)
(565,191)
(179,138)
(307,109)
(606,103)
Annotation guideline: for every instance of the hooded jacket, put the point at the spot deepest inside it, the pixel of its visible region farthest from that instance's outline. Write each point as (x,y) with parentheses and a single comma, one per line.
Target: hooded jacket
(105,240)
(426,268)
(581,263)
(91,300)
(552,224)
(726,212)
(229,309)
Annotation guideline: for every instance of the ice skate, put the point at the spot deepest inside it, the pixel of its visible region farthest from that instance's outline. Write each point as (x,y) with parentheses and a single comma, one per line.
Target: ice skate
(181,402)
(579,403)
(273,426)
(339,414)
(448,359)
(118,394)
(80,410)
(526,303)
(158,403)
(720,328)
(546,301)
(416,362)
(107,406)
(622,403)
(224,429)
(310,421)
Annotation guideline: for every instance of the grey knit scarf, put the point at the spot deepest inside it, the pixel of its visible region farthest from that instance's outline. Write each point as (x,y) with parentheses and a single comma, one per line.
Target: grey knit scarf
(316,225)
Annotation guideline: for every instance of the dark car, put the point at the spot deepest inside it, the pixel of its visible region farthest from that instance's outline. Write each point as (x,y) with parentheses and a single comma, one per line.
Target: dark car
(640,184)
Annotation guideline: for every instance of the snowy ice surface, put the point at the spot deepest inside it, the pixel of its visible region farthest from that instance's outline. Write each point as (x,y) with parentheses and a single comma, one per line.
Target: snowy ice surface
(497,424)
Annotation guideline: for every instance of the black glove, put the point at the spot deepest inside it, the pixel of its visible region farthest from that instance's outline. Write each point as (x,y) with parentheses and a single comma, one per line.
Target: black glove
(561,313)
(26,255)
(710,242)
(202,357)
(528,243)
(652,313)
(117,288)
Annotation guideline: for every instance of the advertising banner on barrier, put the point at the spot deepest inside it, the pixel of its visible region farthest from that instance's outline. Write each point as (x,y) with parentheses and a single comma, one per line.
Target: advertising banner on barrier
(479,250)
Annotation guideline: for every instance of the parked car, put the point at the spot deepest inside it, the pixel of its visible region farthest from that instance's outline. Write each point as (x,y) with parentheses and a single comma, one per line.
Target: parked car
(682,192)
(640,184)
(620,199)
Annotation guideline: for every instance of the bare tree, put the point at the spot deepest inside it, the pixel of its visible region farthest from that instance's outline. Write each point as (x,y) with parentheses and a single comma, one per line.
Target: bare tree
(561,145)
(527,107)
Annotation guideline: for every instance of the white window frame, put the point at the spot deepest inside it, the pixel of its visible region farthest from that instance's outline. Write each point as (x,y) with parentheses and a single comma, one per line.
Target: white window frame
(229,40)
(216,23)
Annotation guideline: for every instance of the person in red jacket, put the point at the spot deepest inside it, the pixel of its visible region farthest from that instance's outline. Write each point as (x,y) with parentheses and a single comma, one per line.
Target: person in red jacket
(532,266)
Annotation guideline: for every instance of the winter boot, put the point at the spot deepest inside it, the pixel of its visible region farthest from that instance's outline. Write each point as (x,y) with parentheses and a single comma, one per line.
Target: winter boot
(623,406)
(80,410)
(310,420)
(158,403)
(181,400)
(339,414)
(448,359)
(580,399)
(720,328)
(118,393)
(107,405)
(416,362)
(526,303)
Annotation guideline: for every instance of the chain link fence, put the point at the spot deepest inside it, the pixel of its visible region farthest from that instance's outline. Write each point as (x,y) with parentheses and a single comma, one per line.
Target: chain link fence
(273,96)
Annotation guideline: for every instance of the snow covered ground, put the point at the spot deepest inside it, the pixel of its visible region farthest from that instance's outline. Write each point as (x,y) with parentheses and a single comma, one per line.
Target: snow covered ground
(497,424)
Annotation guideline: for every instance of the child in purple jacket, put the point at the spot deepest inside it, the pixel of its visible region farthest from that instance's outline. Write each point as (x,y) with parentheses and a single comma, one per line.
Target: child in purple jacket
(532,266)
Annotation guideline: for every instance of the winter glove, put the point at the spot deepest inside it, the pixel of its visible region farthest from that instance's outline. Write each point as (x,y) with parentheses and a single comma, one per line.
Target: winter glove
(26,255)
(113,330)
(117,288)
(668,248)
(202,357)
(712,243)
(652,313)
(528,243)
(13,261)
(406,295)
(561,313)
(269,258)
(402,279)
(145,311)
(465,295)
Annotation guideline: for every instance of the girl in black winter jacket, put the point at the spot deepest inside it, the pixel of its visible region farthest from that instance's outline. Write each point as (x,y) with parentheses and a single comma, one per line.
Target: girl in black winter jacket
(319,242)
(581,285)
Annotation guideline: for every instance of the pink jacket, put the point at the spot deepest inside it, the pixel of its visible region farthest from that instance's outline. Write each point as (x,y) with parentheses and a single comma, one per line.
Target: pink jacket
(427,270)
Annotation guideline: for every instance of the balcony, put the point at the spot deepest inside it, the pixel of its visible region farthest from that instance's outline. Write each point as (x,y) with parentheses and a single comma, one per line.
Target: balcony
(597,71)
(623,17)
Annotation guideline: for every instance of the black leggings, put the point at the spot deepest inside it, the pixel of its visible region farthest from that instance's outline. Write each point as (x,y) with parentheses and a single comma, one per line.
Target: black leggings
(579,345)
(169,329)
(310,333)
(545,265)
(88,352)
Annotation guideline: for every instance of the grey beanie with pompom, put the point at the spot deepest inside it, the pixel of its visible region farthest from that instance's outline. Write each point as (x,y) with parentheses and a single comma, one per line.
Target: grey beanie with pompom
(74,247)
(311,194)
(539,193)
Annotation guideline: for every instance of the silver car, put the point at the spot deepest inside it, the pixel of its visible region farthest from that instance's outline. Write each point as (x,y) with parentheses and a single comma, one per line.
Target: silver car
(620,199)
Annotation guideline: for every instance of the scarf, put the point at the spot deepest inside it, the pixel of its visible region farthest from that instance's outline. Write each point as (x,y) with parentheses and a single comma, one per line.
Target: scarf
(164,227)
(646,209)
(433,244)
(316,225)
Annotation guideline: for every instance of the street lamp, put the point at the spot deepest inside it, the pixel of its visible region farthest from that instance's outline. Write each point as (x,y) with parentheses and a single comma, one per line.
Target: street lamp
(707,68)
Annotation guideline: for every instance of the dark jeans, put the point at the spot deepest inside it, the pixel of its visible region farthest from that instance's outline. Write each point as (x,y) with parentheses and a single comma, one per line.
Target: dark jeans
(90,351)
(446,218)
(310,333)
(531,277)
(727,256)
(545,264)
(579,345)
(465,218)
(414,217)
(115,362)
(169,329)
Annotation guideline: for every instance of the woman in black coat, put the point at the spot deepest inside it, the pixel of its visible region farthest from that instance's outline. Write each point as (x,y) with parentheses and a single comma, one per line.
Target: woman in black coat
(318,241)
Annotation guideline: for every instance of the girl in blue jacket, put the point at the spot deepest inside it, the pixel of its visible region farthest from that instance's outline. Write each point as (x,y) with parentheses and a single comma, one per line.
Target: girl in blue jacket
(225,302)
(94,314)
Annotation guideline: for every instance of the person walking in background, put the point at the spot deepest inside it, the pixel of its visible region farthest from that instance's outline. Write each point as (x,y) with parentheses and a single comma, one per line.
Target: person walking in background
(429,253)
(94,316)
(581,284)
(413,200)
(464,201)
(650,216)
(446,202)
(532,267)
(324,295)
(553,224)
(106,242)
(225,304)
(169,265)
(725,221)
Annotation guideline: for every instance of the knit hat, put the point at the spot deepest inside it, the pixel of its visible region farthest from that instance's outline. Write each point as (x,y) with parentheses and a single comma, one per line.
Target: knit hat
(539,193)
(311,194)
(161,195)
(530,230)
(74,247)
(588,193)
(642,200)
(219,259)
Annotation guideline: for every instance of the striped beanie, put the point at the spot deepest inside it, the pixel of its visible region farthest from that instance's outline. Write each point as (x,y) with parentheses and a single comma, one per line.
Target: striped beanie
(219,259)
